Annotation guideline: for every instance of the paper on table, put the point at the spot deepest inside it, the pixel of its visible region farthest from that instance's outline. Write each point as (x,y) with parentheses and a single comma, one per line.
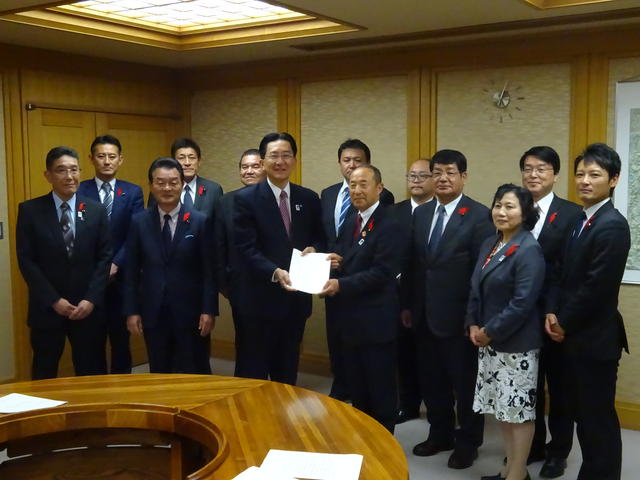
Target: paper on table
(310,465)
(309,273)
(16,402)
(255,473)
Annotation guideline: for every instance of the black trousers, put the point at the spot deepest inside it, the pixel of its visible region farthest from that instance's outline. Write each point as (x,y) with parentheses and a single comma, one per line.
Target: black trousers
(409,394)
(552,369)
(448,369)
(87,338)
(371,371)
(269,349)
(340,386)
(173,348)
(117,332)
(592,392)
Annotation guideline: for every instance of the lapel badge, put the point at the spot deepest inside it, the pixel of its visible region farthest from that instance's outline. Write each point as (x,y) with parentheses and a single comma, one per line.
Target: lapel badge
(364,234)
(361,241)
(298,207)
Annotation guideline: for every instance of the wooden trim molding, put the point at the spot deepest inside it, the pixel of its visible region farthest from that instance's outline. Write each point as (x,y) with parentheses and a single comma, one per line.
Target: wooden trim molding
(546,4)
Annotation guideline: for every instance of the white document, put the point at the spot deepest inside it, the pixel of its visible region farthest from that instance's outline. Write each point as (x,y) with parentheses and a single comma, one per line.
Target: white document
(310,465)
(255,473)
(16,402)
(309,273)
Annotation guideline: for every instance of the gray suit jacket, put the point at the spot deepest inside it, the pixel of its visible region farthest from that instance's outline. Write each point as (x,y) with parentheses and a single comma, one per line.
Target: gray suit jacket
(504,294)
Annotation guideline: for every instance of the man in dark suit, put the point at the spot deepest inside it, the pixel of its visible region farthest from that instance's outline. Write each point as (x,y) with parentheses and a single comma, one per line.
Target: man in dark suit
(366,262)
(446,237)
(584,312)
(229,270)
(197,193)
(63,247)
(420,186)
(540,167)
(170,290)
(270,219)
(336,209)
(121,201)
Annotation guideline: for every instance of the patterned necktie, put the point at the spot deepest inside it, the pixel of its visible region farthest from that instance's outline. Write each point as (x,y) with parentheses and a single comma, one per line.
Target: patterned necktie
(437,230)
(108,198)
(65,224)
(357,228)
(188,201)
(346,203)
(284,212)
(166,233)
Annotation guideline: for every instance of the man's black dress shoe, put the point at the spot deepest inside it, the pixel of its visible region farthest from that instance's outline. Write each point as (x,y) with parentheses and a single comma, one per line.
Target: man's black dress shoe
(405,415)
(462,458)
(553,467)
(493,477)
(430,447)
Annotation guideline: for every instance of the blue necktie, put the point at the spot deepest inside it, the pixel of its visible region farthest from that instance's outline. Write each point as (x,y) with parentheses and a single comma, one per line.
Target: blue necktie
(67,231)
(108,198)
(437,231)
(346,203)
(575,236)
(166,234)
(188,201)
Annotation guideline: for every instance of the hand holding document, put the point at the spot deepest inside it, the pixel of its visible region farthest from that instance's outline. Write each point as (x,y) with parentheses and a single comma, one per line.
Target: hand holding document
(16,403)
(310,272)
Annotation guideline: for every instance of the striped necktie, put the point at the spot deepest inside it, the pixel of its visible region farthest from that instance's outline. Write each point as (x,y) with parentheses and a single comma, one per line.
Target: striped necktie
(65,224)
(346,203)
(108,198)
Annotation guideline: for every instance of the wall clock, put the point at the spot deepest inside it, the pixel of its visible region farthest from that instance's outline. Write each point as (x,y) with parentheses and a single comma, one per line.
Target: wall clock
(505,100)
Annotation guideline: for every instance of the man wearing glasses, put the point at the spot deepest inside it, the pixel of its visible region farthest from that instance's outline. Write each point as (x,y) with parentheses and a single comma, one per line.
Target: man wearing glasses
(421,189)
(64,254)
(336,210)
(270,219)
(446,237)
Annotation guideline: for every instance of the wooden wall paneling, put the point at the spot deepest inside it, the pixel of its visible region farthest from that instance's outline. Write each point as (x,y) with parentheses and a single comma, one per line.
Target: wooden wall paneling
(414,110)
(598,97)
(289,118)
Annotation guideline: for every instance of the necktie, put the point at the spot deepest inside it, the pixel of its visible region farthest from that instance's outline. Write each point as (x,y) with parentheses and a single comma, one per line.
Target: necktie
(346,203)
(577,229)
(358,227)
(437,230)
(284,212)
(166,233)
(65,224)
(188,201)
(108,198)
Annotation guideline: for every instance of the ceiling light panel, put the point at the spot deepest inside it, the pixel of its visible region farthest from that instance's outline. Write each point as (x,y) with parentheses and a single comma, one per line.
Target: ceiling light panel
(183,16)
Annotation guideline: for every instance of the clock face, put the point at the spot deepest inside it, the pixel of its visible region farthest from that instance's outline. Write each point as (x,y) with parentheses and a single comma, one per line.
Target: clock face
(503,99)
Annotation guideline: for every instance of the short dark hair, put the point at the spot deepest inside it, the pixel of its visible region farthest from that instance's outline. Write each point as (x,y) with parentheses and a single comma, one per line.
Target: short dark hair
(529,212)
(185,142)
(251,151)
(602,154)
(377,175)
(544,153)
(106,140)
(165,162)
(274,137)
(355,144)
(449,157)
(56,152)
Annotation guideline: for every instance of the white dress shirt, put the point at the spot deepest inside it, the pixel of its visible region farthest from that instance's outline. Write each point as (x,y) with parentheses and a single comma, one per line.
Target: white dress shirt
(449,208)
(101,192)
(543,205)
(173,222)
(276,192)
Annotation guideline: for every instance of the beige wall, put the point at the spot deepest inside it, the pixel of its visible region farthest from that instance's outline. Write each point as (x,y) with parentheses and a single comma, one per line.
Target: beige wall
(493,139)
(225,123)
(6,314)
(629,373)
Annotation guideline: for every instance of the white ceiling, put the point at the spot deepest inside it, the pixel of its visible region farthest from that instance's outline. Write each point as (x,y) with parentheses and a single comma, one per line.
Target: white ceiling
(379,17)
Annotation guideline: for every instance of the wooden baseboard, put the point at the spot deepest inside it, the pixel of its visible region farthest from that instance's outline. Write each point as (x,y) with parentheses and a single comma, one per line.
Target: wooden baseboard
(629,415)
(309,362)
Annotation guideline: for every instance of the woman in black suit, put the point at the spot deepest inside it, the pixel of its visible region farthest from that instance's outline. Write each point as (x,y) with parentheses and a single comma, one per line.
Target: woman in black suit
(502,319)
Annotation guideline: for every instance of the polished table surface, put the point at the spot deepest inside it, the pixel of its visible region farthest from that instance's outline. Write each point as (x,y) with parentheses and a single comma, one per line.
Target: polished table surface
(254,415)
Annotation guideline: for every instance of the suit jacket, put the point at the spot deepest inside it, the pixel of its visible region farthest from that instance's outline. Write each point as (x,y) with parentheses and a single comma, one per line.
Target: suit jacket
(504,294)
(436,287)
(127,201)
(403,213)
(228,262)
(263,245)
(367,303)
(586,300)
(48,271)
(328,199)
(206,197)
(180,280)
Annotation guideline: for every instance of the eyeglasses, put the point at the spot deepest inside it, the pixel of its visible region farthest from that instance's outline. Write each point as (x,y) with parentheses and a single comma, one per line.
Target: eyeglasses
(417,177)
(538,170)
(63,172)
(284,156)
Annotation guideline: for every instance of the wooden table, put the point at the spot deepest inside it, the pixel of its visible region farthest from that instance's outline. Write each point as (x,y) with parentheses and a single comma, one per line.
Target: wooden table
(252,417)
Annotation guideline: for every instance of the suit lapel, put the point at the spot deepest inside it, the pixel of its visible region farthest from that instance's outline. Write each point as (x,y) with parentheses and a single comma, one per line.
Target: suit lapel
(452,228)
(156,229)
(553,210)
(501,257)
(181,227)
(53,224)
(199,199)
(92,191)
(271,208)
(355,246)
(118,200)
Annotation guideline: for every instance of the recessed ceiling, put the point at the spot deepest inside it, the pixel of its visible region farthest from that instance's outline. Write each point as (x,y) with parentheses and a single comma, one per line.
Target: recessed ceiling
(354,25)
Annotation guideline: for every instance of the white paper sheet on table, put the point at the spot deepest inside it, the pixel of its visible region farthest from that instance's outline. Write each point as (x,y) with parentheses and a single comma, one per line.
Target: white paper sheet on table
(311,465)
(16,402)
(309,273)
(255,473)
